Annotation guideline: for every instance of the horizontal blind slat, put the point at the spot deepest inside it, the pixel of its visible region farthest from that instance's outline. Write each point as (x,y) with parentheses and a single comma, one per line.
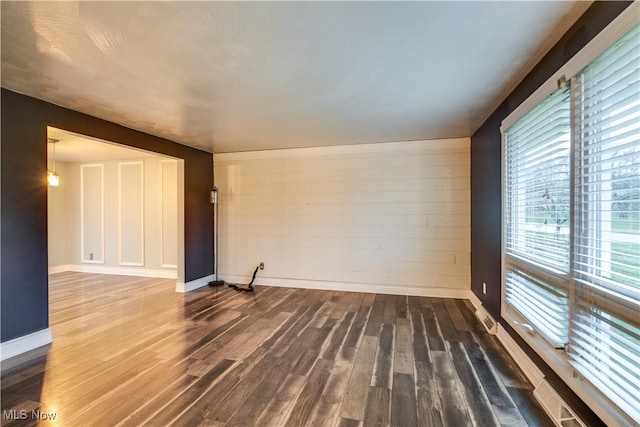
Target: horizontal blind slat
(605,328)
(598,135)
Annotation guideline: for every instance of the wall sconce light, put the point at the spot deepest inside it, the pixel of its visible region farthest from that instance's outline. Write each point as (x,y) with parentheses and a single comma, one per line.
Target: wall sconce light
(52,177)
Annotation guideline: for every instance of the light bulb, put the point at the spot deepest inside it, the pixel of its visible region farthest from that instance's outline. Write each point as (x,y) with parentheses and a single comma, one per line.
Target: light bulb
(53,179)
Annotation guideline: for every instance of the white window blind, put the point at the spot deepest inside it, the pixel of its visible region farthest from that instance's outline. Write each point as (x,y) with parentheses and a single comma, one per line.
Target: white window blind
(571,209)
(537,185)
(605,338)
(537,209)
(543,305)
(605,346)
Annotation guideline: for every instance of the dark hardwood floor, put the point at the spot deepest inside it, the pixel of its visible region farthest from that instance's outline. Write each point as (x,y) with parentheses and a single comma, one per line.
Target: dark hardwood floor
(130,351)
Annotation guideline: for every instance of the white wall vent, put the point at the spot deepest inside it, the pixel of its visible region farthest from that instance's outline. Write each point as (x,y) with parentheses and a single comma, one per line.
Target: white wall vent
(561,414)
(487,321)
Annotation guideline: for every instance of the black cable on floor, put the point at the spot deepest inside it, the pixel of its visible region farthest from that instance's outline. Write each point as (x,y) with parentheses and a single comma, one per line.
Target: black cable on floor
(249,287)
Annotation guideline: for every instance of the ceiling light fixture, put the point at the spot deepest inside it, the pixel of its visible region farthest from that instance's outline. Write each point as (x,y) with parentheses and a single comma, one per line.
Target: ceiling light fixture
(52,176)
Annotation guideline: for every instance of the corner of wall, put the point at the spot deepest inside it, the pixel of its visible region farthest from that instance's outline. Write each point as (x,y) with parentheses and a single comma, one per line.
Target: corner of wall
(182,287)
(17,346)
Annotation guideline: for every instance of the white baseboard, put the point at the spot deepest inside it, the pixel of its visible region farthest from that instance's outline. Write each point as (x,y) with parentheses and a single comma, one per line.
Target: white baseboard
(60,268)
(350,287)
(20,345)
(531,371)
(483,315)
(123,271)
(475,301)
(194,284)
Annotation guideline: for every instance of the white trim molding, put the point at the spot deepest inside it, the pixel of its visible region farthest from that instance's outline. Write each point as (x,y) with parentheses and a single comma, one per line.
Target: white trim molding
(349,287)
(140,263)
(531,371)
(194,284)
(483,315)
(120,271)
(82,168)
(20,345)
(60,268)
(162,216)
(475,301)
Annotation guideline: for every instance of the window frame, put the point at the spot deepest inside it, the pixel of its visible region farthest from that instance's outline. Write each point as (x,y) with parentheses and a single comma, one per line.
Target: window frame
(558,359)
(553,275)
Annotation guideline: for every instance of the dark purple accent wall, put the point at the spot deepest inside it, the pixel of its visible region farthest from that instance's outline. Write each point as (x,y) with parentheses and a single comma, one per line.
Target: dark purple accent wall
(486,179)
(23,220)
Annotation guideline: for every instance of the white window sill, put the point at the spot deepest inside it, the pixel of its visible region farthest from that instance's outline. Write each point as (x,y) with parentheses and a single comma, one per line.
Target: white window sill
(559,363)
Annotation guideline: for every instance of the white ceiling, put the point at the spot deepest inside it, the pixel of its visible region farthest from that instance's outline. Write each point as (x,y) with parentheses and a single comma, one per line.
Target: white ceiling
(238,76)
(71,147)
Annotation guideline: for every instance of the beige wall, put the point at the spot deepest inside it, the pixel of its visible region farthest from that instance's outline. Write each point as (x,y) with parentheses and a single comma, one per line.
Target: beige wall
(392,217)
(123,214)
(57,218)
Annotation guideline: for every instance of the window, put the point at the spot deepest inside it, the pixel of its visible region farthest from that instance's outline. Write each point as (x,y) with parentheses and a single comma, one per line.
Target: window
(537,191)
(571,241)
(605,340)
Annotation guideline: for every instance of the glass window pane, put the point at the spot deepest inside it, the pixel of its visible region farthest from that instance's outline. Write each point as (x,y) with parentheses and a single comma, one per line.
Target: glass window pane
(607,110)
(537,183)
(544,306)
(605,333)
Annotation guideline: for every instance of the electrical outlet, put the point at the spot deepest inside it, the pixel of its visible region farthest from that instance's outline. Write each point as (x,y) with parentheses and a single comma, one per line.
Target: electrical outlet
(484,288)
(262,266)
(90,257)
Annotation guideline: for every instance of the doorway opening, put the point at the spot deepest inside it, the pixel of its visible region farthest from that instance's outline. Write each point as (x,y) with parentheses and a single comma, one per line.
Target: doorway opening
(115,210)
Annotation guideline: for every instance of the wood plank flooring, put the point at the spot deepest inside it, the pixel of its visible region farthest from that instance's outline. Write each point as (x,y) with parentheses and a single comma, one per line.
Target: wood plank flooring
(130,351)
